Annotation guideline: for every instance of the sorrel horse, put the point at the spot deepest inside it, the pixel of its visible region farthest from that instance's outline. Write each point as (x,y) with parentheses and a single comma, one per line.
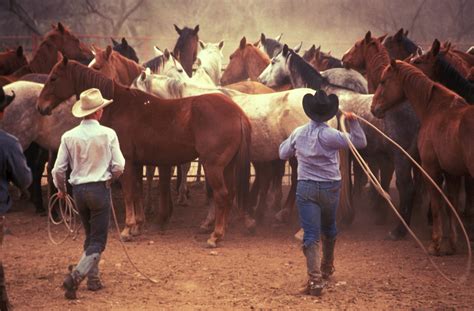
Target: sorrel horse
(370,56)
(186,47)
(59,39)
(12,60)
(125,49)
(319,60)
(434,64)
(160,132)
(445,139)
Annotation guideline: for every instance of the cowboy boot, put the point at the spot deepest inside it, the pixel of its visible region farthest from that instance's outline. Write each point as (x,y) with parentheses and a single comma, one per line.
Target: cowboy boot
(313,262)
(93,280)
(72,280)
(327,264)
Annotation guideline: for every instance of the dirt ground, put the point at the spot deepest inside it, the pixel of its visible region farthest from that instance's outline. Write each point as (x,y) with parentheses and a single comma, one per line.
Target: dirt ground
(263,271)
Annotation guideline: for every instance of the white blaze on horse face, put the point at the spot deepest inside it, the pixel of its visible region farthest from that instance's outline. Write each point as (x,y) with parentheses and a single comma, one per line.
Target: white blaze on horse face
(275,72)
(92,63)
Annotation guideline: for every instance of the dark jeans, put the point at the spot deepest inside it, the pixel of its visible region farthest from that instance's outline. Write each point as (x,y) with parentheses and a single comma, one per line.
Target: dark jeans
(317,203)
(93,204)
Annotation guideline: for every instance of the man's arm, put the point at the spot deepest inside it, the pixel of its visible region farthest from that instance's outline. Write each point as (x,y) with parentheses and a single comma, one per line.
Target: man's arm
(118,161)
(18,170)
(287,147)
(335,139)
(60,167)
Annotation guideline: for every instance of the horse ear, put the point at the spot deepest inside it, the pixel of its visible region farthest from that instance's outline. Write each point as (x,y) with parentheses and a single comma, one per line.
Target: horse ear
(406,33)
(312,49)
(198,62)
(143,75)
(381,38)
(435,47)
(158,52)
(368,36)
(202,44)
(298,47)
(262,38)
(93,49)
(221,44)
(393,63)
(285,50)
(196,29)
(177,29)
(19,51)
(399,35)
(63,58)
(124,42)
(243,43)
(279,37)
(167,54)
(61,27)
(108,52)
(115,43)
(318,49)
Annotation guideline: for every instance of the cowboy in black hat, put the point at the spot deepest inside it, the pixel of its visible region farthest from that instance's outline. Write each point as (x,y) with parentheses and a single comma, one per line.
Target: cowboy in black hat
(12,168)
(316,147)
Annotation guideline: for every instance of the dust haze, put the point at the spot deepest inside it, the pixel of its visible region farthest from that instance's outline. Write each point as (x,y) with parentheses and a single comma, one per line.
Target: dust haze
(335,25)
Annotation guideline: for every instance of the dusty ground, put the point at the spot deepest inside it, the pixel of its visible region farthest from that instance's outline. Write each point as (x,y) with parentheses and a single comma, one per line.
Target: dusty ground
(245,272)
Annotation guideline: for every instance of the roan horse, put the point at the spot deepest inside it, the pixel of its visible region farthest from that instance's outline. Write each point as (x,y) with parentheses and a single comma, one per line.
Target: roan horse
(445,139)
(165,133)
(125,49)
(12,60)
(186,47)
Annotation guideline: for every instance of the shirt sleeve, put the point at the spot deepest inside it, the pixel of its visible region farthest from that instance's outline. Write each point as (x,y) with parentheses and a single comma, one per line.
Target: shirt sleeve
(60,167)
(118,161)
(334,139)
(287,147)
(19,172)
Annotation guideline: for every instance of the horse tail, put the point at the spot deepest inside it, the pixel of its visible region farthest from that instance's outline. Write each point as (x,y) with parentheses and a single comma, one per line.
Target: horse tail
(243,164)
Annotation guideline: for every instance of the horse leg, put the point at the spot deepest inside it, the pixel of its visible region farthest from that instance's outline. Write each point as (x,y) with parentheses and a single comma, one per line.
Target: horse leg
(166,205)
(206,224)
(284,214)
(469,209)
(453,184)
(128,182)
(198,171)
(138,202)
(278,171)
(150,172)
(265,179)
(360,180)
(183,191)
(386,174)
(253,196)
(36,158)
(435,201)
(406,192)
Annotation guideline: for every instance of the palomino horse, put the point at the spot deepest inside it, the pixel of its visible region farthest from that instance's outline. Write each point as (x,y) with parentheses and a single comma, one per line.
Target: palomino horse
(445,139)
(370,56)
(186,47)
(434,64)
(319,60)
(58,39)
(399,46)
(12,60)
(125,49)
(160,132)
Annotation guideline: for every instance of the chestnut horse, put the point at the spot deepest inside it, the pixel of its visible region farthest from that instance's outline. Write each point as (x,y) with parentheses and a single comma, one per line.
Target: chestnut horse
(186,47)
(58,39)
(445,140)
(160,132)
(12,60)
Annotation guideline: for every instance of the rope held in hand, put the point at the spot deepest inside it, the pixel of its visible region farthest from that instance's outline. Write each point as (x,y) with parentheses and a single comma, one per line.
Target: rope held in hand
(386,196)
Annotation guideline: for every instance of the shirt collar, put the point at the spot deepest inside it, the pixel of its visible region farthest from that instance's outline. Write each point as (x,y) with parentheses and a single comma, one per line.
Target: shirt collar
(90,122)
(315,123)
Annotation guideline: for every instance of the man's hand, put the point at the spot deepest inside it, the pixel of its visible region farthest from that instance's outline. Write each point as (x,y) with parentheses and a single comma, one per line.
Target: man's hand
(350,116)
(61,195)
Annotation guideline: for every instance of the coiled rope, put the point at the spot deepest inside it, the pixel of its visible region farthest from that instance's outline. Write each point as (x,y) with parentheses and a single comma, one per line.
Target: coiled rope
(386,196)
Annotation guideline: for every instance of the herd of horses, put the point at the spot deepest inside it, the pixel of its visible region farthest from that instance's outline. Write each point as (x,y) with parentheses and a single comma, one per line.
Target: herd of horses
(180,106)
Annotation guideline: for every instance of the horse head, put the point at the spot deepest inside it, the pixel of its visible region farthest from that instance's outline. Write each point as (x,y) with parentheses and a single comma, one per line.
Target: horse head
(278,71)
(354,58)
(103,62)
(166,64)
(389,91)
(399,46)
(186,47)
(68,44)
(125,49)
(270,46)
(210,59)
(12,60)
(427,62)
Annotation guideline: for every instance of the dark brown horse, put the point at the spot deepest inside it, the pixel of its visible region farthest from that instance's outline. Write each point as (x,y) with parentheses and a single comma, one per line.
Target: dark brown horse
(399,46)
(186,47)
(59,39)
(445,140)
(319,60)
(160,132)
(12,60)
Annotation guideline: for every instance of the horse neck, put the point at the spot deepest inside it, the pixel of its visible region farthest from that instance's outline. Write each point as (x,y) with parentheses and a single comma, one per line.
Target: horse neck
(255,63)
(453,80)
(457,62)
(303,74)
(376,59)
(128,71)
(85,78)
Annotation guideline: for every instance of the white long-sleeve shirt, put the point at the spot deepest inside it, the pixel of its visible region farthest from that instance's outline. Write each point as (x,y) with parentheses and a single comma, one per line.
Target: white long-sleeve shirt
(92,151)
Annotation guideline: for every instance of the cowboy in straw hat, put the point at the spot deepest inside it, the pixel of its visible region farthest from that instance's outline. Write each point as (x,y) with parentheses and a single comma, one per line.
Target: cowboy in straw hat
(93,153)
(316,147)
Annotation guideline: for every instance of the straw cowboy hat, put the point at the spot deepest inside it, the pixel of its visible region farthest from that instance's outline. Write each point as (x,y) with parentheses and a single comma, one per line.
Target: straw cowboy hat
(89,102)
(320,107)
(5,100)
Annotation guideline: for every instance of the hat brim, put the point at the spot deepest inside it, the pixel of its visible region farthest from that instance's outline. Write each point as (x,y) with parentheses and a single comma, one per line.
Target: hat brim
(308,101)
(78,112)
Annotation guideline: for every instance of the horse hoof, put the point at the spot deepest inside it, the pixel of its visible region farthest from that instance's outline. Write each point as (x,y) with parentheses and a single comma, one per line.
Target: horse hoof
(282,215)
(211,243)
(395,235)
(126,237)
(135,230)
(251,225)
(434,250)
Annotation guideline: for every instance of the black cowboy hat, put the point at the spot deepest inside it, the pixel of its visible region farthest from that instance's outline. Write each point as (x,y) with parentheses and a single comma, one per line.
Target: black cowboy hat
(5,100)
(320,107)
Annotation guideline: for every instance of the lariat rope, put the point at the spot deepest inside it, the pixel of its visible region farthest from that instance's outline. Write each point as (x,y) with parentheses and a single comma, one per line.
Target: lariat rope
(68,212)
(386,196)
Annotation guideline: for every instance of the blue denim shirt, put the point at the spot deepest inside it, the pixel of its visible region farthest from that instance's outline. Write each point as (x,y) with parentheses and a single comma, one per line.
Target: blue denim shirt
(12,168)
(316,147)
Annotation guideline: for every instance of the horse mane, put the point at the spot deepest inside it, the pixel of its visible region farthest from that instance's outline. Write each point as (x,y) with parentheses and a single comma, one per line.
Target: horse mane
(154,64)
(311,77)
(333,62)
(175,87)
(259,52)
(186,33)
(85,76)
(452,79)
(424,86)
(133,69)
(455,60)
(408,45)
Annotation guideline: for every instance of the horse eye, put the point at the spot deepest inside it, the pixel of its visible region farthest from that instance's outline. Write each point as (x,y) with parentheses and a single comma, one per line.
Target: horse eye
(53,79)
(180,70)
(273,62)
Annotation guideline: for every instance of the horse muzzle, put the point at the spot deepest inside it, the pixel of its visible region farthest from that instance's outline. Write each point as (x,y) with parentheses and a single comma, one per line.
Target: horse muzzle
(377,112)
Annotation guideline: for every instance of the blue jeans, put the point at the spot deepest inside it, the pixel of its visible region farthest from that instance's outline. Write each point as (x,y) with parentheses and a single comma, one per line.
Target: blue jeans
(93,203)
(317,203)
